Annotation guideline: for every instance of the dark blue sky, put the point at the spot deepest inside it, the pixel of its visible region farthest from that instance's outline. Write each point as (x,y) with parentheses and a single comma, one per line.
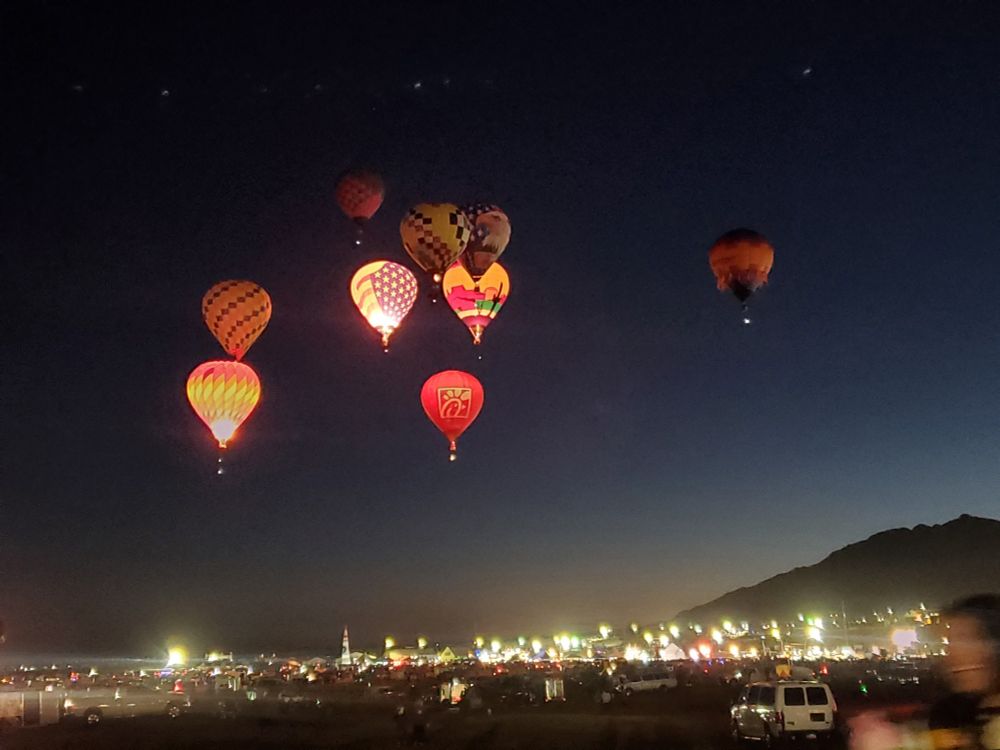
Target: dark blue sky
(639,450)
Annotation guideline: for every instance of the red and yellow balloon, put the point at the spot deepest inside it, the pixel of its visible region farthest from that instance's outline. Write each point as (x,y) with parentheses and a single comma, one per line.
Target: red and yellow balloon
(360,193)
(452,400)
(476,303)
(223,394)
(384,292)
(236,312)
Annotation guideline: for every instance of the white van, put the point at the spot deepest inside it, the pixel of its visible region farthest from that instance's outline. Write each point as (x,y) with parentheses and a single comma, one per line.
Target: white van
(646,681)
(769,711)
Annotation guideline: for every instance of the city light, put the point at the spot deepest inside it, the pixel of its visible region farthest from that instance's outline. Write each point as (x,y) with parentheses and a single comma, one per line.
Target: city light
(176,656)
(904,638)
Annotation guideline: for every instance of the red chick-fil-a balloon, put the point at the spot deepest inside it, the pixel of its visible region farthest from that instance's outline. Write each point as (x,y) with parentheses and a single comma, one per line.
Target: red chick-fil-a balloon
(452,400)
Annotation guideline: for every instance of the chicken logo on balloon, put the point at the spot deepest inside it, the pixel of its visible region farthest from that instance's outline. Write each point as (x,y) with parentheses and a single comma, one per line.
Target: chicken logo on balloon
(454,403)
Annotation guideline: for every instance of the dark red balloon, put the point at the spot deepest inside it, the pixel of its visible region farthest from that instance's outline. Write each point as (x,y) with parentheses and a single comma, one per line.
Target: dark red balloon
(360,194)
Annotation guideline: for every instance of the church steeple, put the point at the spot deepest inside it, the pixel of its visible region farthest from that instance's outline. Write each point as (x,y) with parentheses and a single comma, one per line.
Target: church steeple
(345,650)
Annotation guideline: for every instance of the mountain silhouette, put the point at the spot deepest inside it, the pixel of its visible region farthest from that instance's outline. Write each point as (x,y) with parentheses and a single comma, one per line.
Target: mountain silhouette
(899,568)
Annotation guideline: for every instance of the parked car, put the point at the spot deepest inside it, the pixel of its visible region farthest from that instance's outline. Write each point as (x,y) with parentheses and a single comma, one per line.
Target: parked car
(776,710)
(645,682)
(96,705)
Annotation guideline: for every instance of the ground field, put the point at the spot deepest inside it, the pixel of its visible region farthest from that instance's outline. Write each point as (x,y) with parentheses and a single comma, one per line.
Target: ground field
(681,720)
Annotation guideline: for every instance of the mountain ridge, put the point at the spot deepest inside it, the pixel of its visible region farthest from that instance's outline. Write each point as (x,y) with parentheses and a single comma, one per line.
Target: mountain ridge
(899,567)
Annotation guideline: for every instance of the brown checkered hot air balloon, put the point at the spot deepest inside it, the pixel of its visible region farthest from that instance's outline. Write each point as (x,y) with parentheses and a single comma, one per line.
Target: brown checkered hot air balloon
(359,194)
(236,312)
(434,235)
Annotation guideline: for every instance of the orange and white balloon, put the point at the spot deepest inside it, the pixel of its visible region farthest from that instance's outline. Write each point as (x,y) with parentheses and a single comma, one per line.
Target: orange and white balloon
(384,292)
(223,394)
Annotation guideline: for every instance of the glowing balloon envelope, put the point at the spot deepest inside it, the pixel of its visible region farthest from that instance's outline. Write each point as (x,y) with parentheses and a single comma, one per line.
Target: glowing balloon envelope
(360,194)
(476,303)
(223,394)
(236,312)
(741,261)
(490,235)
(452,400)
(434,235)
(384,292)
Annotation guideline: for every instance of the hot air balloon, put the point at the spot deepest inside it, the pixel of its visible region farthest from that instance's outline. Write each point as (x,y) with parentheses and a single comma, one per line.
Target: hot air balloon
(434,235)
(236,312)
(223,394)
(490,235)
(452,400)
(741,260)
(384,292)
(359,194)
(476,303)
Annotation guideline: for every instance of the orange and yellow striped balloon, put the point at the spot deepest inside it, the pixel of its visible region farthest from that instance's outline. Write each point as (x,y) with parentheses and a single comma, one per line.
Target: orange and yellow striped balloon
(223,394)
(384,292)
(236,312)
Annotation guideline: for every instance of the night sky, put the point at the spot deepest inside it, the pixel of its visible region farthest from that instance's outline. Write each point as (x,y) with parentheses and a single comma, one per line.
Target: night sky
(640,450)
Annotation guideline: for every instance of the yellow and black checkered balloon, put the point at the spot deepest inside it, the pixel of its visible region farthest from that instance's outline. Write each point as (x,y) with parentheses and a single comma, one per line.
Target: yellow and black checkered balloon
(236,312)
(435,234)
